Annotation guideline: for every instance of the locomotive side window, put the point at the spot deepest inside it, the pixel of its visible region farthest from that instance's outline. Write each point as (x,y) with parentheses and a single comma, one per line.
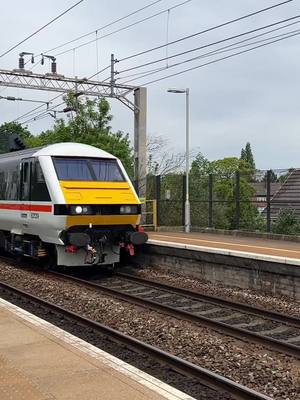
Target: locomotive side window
(87,169)
(39,176)
(12,185)
(26,172)
(25,181)
(9,180)
(33,186)
(39,190)
(2,185)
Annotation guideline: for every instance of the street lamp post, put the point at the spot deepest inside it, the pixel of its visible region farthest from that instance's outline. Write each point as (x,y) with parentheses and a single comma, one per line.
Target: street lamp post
(187,207)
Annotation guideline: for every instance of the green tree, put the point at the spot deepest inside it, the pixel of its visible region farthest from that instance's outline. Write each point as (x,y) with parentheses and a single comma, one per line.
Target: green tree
(90,125)
(286,223)
(224,186)
(200,166)
(243,154)
(247,155)
(228,166)
(15,127)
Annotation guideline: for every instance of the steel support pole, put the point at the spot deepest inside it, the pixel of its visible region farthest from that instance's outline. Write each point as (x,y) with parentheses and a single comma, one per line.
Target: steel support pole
(268,201)
(237,200)
(183,200)
(157,197)
(140,139)
(210,200)
(187,164)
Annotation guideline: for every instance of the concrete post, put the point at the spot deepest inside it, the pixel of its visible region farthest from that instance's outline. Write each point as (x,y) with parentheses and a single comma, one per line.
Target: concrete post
(140,140)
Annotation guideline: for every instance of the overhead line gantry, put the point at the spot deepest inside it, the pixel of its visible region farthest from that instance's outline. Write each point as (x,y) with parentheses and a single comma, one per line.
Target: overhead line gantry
(53,82)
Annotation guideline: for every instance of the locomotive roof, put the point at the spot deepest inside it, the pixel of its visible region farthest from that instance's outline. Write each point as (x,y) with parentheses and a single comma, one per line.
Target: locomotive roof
(68,149)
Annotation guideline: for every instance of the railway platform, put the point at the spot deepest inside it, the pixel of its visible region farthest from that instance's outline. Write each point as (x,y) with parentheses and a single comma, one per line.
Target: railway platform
(272,250)
(39,361)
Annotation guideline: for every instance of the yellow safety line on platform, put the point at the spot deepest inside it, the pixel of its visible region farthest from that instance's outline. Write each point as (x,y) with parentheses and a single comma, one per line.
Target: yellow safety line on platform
(226,243)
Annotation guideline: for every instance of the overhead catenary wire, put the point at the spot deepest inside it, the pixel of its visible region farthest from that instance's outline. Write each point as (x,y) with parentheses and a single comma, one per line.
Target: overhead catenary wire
(41,28)
(206,30)
(211,44)
(168,10)
(141,74)
(105,26)
(221,50)
(167,36)
(35,109)
(45,112)
(277,39)
(97,55)
(38,117)
(13,98)
(126,27)
(198,33)
(95,31)
(100,72)
(111,33)
(98,38)
(220,25)
(101,37)
(218,60)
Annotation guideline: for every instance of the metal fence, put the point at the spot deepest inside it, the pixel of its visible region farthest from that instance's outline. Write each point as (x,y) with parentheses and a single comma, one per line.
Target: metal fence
(256,201)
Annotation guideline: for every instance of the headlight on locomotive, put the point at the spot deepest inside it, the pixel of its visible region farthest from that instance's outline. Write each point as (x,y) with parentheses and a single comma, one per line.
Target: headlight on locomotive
(81,210)
(128,210)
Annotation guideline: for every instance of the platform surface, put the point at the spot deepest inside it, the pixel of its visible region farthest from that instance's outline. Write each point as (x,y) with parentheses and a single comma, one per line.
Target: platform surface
(267,249)
(39,361)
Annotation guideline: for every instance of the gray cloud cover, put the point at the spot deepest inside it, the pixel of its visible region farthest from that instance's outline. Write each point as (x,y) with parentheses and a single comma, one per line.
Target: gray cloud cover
(253,97)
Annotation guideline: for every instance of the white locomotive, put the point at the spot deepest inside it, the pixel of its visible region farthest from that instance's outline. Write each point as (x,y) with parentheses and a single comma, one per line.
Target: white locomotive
(68,201)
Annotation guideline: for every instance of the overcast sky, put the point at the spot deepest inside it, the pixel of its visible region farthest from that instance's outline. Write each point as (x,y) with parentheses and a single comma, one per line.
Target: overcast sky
(253,97)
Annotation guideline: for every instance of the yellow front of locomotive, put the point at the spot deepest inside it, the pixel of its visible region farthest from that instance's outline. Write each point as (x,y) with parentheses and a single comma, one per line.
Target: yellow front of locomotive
(102,210)
(92,197)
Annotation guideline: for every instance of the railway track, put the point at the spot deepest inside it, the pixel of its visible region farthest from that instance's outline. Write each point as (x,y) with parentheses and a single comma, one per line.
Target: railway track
(205,377)
(273,330)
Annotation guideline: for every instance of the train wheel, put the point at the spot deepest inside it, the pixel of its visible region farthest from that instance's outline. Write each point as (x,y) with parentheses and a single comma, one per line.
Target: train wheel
(50,262)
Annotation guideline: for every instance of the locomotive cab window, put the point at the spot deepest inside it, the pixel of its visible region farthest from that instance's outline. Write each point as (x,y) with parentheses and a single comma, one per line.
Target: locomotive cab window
(87,169)
(107,170)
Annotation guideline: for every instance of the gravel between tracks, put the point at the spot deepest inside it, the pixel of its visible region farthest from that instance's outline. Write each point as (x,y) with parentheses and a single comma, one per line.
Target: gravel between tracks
(273,374)
(281,304)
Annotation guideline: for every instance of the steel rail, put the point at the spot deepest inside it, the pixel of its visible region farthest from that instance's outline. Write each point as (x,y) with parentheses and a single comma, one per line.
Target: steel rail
(205,376)
(239,333)
(275,316)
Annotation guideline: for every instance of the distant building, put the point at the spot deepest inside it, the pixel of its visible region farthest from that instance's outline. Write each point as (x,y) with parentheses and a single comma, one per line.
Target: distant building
(288,195)
(260,198)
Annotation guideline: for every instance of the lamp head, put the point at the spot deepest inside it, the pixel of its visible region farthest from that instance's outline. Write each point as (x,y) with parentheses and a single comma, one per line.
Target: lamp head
(176,90)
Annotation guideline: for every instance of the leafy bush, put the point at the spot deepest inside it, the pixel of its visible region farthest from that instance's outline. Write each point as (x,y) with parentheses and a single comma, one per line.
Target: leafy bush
(286,223)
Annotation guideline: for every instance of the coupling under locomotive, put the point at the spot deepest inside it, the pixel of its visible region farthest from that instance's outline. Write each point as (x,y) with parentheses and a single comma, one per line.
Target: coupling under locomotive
(70,201)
